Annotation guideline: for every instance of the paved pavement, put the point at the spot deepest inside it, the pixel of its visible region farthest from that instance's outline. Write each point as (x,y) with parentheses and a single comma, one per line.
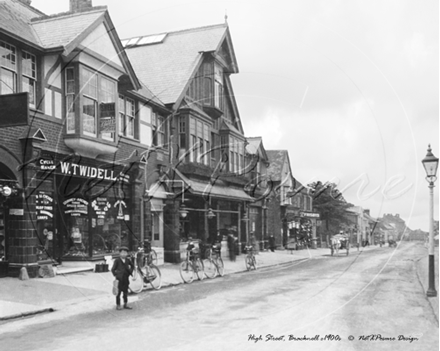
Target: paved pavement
(422,273)
(86,291)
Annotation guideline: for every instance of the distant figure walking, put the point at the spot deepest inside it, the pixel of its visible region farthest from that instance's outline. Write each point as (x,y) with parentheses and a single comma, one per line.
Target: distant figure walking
(231,246)
(272,243)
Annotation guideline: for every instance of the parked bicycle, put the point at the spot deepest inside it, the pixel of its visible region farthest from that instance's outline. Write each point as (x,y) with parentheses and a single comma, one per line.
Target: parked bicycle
(213,262)
(192,264)
(144,272)
(250,260)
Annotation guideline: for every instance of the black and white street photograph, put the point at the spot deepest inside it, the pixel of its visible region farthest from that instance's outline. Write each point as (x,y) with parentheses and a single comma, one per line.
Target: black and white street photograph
(225,175)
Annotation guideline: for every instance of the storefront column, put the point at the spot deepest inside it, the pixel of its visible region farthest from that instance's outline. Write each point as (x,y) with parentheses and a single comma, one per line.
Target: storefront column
(22,230)
(239,228)
(171,231)
(205,224)
(314,239)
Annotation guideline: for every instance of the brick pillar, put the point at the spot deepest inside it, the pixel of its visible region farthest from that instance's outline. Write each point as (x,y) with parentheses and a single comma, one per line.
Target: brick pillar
(136,199)
(171,231)
(22,230)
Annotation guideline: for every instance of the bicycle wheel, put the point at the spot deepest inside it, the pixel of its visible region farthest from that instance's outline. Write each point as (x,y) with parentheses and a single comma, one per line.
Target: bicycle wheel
(153,257)
(187,272)
(154,277)
(210,268)
(200,269)
(220,266)
(248,261)
(254,262)
(136,282)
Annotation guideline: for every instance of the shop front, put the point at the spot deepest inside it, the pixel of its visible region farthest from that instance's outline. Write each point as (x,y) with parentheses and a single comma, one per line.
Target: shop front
(84,211)
(207,213)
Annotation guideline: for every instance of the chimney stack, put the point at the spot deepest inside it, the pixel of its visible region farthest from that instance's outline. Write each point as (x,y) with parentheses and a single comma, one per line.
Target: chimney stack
(27,2)
(80,5)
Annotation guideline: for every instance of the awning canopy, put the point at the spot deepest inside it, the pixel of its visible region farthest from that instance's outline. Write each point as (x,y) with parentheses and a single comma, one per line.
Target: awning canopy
(202,188)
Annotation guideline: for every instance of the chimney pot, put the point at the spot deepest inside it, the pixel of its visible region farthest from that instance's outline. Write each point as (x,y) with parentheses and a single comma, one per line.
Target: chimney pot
(80,5)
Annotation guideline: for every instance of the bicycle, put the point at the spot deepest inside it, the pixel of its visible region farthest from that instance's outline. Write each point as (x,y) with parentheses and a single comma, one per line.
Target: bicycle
(144,272)
(192,264)
(250,259)
(213,262)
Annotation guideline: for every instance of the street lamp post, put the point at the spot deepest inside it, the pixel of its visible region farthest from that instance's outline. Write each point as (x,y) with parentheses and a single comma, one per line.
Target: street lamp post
(430,162)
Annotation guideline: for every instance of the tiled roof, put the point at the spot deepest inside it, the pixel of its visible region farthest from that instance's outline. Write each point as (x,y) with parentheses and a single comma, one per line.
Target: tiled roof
(167,66)
(276,161)
(146,92)
(62,30)
(15,18)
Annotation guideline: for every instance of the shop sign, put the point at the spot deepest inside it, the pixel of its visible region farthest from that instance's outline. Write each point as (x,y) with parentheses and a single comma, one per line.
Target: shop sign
(101,206)
(75,206)
(120,205)
(46,164)
(16,212)
(309,214)
(91,172)
(44,206)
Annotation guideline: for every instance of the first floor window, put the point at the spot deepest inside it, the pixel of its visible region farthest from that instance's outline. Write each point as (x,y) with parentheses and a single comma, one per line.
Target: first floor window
(8,69)
(127,114)
(89,116)
(29,71)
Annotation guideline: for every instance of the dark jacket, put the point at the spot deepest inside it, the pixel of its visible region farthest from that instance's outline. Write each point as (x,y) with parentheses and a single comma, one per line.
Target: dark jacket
(122,271)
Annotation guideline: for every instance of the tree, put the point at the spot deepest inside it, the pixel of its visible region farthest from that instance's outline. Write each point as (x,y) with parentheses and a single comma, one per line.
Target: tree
(331,205)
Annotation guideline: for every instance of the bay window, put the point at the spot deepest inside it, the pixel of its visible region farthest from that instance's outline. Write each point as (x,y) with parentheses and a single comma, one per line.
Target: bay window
(218,87)
(90,102)
(29,76)
(8,69)
(70,100)
(107,108)
(127,115)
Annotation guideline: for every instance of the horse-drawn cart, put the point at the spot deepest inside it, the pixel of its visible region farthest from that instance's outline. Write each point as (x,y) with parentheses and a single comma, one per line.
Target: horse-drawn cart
(339,242)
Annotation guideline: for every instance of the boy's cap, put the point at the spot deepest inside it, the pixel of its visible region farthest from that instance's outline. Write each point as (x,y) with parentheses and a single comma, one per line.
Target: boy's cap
(123,248)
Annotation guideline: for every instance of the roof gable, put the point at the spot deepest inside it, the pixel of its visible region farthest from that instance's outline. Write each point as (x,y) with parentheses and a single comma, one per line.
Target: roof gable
(65,30)
(255,147)
(99,41)
(168,64)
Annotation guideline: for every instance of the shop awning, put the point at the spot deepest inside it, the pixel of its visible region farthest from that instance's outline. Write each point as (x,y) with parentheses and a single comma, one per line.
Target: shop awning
(202,188)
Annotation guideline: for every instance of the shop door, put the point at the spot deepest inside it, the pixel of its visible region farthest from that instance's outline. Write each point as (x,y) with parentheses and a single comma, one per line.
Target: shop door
(157,240)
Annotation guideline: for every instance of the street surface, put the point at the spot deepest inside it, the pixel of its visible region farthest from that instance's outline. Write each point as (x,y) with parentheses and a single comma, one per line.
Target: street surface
(331,298)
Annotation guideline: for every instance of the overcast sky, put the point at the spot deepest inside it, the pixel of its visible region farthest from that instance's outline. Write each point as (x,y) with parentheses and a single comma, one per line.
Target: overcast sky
(349,88)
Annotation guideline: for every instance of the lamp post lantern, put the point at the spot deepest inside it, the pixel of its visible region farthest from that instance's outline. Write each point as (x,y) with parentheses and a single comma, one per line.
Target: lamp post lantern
(430,163)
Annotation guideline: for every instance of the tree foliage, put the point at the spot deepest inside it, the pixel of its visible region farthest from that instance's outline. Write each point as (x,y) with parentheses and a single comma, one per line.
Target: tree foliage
(331,205)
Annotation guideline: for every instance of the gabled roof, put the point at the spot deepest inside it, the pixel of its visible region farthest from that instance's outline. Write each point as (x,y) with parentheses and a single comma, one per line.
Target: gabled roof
(14,20)
(169,60)
(63,30)
(255,147)
(276,160)
(226,125)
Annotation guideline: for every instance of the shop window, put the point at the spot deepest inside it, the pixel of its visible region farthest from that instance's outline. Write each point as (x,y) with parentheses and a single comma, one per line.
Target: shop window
(182,132)
(29,76)
(95,226)
(8,69)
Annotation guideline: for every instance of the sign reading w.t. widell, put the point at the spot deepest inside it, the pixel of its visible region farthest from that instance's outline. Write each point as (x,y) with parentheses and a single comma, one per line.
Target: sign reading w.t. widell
(92,172)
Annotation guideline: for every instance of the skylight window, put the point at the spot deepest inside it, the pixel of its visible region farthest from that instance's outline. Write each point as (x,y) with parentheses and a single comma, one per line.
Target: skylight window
(152,39)
(132,42)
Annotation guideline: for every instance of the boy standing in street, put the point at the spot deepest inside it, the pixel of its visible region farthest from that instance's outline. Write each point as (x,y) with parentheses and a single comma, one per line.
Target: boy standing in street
(122,269)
